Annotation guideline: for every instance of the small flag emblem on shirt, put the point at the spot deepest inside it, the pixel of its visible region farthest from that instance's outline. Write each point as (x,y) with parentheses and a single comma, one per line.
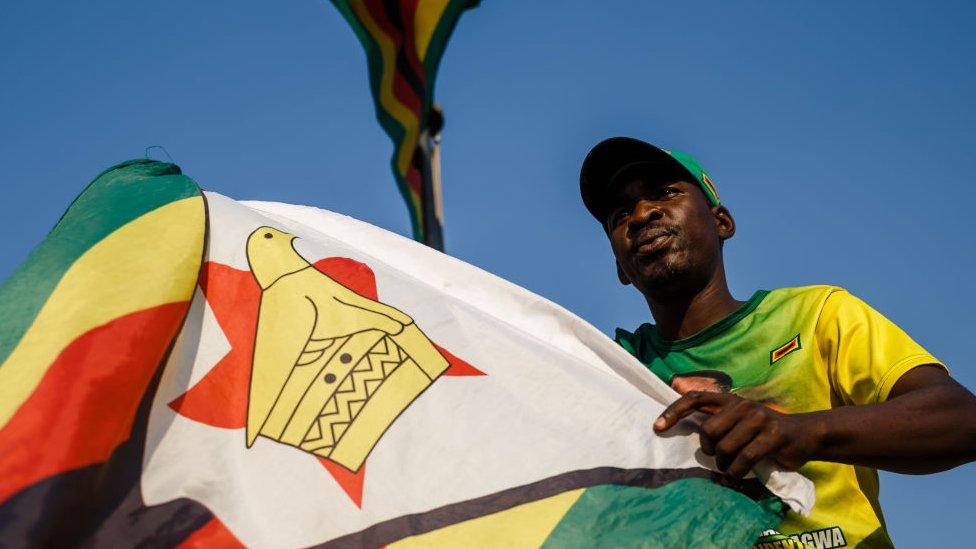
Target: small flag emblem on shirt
(785,349)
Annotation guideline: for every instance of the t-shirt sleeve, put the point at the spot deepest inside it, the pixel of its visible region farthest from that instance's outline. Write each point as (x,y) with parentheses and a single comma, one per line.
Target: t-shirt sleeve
(864,352)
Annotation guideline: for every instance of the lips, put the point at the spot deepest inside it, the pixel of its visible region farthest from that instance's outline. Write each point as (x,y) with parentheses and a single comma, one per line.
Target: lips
(652,242)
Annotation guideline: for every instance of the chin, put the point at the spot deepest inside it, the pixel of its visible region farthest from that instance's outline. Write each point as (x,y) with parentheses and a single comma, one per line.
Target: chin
(662,269)
(666,277)
(662,277)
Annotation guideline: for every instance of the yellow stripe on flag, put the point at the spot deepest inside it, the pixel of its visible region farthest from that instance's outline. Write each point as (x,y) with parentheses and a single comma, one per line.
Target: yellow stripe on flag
(150,261)
(426,17)
(526,525)
(397,110)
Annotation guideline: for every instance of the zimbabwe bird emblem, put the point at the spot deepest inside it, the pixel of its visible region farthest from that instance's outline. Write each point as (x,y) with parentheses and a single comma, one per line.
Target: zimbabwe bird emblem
(331,369)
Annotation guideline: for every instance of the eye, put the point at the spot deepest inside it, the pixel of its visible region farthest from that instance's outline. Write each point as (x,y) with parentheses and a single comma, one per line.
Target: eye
(618,216)
(668,190)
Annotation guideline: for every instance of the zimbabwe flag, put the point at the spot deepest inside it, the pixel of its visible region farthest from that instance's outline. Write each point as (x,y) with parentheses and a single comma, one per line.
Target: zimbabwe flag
(181,369)
(86,323)
(404,41)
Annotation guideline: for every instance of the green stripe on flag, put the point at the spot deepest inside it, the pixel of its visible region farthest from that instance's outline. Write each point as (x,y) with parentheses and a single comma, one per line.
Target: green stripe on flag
(690,512)
(114,198)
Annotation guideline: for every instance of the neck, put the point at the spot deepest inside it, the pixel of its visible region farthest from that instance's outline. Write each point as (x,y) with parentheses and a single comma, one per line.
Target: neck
(682,314)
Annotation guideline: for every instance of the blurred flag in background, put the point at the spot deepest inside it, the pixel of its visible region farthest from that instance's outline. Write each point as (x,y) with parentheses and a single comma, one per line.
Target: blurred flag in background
(404,41)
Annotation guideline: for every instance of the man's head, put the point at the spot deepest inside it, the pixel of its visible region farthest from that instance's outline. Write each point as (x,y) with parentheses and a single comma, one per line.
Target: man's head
(661,213)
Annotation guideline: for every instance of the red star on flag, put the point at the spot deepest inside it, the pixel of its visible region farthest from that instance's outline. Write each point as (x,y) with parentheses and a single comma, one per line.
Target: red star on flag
(219,399)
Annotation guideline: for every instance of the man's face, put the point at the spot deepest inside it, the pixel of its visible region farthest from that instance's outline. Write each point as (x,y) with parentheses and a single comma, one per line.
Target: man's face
(664,234)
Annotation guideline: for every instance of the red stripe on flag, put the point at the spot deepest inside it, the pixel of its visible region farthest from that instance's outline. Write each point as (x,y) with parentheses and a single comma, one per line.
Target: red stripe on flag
(408,12)
(401,88)
(415,182)
(86,402)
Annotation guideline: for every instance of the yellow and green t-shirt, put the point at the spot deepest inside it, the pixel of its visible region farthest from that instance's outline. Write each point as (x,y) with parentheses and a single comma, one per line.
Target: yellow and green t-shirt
(801,350)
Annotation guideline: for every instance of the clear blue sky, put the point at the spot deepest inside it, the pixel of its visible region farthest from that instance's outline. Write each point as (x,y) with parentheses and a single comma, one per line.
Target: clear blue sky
(840,134)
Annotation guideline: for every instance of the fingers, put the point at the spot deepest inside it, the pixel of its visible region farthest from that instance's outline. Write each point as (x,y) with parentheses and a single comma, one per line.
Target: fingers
(733,420)
(730,451)
(689,403)
(747,457)
(739,433)
(740,436)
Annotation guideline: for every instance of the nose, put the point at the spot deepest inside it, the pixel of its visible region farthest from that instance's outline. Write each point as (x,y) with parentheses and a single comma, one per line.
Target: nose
(644,212)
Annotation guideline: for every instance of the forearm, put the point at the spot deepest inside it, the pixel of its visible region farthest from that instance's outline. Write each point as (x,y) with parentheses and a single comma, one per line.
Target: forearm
(924,430)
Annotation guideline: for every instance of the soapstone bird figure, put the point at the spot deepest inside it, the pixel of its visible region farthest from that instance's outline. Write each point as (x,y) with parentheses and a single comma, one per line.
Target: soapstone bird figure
(321,351)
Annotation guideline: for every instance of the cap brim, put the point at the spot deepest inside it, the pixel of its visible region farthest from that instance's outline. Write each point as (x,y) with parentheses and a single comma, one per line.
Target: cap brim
(607,159)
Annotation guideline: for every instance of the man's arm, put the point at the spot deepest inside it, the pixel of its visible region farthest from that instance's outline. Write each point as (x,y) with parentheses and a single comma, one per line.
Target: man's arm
(928,424)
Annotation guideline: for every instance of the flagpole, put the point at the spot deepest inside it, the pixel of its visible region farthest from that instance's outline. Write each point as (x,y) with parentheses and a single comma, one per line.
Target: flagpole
(430,168)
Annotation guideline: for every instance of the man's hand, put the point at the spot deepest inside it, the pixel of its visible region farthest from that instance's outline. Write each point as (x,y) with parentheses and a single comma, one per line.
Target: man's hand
(928,424)
(741,433)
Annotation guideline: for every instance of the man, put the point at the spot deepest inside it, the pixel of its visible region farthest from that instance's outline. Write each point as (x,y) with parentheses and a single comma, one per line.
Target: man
(819,381)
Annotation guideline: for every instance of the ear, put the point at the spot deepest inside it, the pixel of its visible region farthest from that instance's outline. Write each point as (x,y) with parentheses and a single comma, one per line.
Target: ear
(622,276)
(724,223)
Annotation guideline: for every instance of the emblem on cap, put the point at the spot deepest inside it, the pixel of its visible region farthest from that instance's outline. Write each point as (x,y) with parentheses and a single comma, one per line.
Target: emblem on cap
(707,181)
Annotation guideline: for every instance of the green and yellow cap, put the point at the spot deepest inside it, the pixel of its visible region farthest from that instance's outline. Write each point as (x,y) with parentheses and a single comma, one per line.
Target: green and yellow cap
(613,157)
